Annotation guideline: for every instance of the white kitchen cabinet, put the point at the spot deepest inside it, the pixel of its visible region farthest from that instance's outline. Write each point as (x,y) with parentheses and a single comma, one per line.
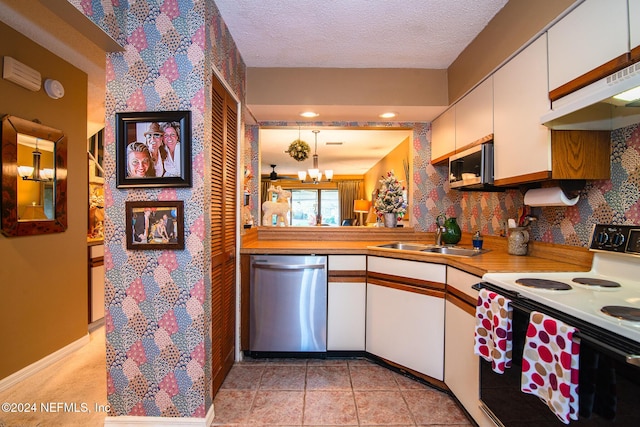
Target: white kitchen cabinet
(592,34)
(405,322)
(443,135)
(634,24)
(346,303)
(522,146)
(474,114)
(461,365)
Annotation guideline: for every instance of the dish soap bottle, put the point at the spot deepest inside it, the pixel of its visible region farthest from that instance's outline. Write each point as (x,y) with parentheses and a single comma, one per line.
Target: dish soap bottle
(477,241)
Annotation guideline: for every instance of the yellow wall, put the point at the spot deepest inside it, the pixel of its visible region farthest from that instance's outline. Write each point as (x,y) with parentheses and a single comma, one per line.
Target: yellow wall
(43,279)
(392,161)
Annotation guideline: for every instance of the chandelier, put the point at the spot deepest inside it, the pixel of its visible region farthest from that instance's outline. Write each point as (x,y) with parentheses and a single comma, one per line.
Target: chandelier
(315,173)
(34,173)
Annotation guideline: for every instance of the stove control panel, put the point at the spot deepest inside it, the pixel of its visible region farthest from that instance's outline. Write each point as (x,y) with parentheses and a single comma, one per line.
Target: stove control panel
(616,238)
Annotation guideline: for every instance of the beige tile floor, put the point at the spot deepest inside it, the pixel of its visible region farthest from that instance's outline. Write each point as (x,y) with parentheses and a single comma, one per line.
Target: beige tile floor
(284,392)
(291,392)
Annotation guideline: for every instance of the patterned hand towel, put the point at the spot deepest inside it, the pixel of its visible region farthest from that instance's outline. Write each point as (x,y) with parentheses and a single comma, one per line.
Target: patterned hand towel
(493,330)
(550,365)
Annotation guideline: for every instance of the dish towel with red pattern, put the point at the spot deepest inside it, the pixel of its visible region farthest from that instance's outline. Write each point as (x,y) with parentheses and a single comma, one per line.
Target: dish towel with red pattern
(493,330)
(550,365)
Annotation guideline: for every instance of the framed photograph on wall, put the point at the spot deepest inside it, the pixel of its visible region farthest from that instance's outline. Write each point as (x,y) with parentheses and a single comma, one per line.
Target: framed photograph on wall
(155,225)
(153,149)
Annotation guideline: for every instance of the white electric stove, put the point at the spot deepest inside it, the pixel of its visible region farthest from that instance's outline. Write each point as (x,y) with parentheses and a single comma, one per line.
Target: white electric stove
(603,304)
(607,296)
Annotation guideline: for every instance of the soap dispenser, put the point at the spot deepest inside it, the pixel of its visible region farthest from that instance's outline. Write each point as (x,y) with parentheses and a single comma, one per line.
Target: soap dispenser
(477,241)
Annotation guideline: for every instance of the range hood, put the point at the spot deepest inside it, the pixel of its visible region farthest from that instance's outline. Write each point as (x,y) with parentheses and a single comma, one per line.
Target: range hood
(594,108)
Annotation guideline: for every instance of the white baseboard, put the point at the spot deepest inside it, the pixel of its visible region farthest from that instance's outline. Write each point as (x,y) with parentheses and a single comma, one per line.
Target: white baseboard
(41,364)
(133,421)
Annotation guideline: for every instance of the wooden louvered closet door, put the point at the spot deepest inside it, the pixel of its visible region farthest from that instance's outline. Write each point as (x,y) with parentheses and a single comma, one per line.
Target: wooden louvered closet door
(224,147)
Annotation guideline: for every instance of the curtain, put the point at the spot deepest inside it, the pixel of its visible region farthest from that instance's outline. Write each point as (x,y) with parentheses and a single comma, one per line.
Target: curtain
(348,191)
(264,192)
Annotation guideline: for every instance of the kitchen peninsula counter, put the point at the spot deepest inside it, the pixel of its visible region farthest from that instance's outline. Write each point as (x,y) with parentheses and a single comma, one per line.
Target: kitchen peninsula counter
(362,241)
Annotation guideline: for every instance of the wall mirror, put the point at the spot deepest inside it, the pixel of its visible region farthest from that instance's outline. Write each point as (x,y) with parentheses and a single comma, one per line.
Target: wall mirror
(34,178)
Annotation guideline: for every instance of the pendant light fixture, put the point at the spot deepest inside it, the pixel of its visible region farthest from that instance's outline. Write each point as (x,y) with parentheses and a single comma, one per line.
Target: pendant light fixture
(315,173)
(34,173)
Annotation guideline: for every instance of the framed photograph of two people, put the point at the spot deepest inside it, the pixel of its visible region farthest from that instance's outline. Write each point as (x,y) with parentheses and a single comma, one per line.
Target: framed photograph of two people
(155,225)
(153,149)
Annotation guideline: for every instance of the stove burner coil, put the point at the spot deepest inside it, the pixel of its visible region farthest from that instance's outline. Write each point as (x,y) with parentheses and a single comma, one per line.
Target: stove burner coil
(543,284)
(621,312)
(596,282)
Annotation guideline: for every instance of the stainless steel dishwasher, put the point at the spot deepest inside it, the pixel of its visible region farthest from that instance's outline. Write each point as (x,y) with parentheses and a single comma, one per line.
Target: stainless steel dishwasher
(288,303)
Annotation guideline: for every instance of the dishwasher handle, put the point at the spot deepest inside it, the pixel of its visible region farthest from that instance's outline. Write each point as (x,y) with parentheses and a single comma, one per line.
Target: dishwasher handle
(273,266)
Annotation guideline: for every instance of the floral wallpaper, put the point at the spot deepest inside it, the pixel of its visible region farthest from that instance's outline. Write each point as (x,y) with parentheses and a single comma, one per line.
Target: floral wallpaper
(157,303)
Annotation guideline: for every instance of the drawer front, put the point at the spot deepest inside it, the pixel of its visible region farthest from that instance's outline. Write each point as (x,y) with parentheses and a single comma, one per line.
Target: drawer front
(411,269)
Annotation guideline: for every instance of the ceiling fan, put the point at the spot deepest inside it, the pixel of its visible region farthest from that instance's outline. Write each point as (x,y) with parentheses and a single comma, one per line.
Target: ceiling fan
(274,175)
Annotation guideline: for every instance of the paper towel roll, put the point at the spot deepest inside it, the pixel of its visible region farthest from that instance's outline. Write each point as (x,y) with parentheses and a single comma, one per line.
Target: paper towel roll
(552,196)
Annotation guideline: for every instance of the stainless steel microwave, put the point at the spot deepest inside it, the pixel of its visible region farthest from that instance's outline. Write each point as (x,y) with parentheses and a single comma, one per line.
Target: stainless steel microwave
(472,169)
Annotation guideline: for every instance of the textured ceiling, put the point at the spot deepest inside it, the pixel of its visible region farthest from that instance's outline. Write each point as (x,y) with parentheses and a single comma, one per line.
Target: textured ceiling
(349,34)
(355,33)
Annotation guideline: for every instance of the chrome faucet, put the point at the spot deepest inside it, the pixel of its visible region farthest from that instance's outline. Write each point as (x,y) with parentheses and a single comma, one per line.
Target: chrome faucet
(439,230)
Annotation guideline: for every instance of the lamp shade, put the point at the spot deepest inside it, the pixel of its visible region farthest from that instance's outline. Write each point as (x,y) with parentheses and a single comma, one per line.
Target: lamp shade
(361,205)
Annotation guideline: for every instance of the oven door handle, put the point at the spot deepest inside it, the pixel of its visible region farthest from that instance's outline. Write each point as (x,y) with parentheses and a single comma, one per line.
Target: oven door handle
(633,359)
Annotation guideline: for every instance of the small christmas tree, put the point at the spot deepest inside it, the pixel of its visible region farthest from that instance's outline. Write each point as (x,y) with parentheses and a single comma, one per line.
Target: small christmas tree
(391,196)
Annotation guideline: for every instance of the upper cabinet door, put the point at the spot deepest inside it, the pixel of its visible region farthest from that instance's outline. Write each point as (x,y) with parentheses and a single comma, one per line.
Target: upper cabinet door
(522,149)
(443,135)
(591,35)
(474,114)
(634,28)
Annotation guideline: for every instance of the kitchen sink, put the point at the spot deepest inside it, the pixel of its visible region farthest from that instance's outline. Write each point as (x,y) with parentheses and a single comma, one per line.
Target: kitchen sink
(433,249)
(404,246)
(453,250)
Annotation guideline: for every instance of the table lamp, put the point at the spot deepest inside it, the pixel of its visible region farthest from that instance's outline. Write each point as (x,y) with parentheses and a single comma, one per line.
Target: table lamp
(361,206)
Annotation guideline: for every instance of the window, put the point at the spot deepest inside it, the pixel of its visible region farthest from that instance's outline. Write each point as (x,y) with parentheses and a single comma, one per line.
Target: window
(305,205)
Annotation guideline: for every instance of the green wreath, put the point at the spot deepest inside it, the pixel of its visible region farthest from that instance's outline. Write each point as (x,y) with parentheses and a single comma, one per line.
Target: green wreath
(299,150)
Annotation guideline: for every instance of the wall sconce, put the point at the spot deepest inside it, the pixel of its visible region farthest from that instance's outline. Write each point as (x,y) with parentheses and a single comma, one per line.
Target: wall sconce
(361,206)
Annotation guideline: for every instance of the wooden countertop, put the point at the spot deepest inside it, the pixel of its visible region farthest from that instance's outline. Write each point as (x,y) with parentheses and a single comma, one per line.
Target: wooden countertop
(307,240)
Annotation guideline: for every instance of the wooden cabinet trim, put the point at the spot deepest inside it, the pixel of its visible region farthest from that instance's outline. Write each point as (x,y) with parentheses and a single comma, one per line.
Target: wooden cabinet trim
(520,179)
(589,77)
(96,262)
(462,304)
(483,140)
(406,280)
(347,273)
(406,287)
(347,279)
(634,55)
(442,160)
(461,295)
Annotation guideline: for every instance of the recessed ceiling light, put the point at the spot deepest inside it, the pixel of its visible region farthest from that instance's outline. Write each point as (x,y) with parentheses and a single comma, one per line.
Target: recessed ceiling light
(388,115)
(309,114)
